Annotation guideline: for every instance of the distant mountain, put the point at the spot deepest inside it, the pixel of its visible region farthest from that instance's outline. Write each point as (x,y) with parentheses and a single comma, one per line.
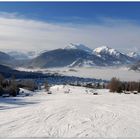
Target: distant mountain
(22,55)
(80,55)
(18,55)
(112,56)
(134,55)
(19,59)
(65,57)
(6,59)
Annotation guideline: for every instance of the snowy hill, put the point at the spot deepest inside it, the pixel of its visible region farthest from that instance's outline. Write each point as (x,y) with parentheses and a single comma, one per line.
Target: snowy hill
(70,112)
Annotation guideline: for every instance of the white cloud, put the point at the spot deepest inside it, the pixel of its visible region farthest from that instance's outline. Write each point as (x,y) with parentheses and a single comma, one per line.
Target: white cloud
(24,34)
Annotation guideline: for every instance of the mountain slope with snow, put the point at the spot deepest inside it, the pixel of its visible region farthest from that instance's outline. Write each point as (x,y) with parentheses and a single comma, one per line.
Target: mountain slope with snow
(70,112)
(112,56)
(106,50)
(134,55)
(64,57)
(7,60)
(78,55)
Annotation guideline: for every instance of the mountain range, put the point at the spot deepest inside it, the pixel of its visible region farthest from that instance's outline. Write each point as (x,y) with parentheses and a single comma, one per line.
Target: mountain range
(80,55)
(73,55)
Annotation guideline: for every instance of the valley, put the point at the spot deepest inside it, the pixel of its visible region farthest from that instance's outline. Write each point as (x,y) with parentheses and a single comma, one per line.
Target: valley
(105,73)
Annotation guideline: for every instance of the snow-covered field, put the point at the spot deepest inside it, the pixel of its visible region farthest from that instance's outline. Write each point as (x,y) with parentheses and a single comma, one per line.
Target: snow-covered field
(105,73)
(77,114)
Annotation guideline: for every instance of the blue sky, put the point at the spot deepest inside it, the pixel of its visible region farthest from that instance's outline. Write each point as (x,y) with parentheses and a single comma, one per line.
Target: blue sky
(51,25)
(76,12)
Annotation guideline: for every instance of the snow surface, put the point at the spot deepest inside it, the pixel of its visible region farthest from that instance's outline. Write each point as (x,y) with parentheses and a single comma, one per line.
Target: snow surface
(134,55)
(77,114)
(106,50)
(24,92)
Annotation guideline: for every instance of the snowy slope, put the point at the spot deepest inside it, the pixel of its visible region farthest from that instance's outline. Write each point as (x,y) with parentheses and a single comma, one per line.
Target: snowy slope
(64,57)
(74,55)
(112,56)
(134,55)
(78,114)
(106,50)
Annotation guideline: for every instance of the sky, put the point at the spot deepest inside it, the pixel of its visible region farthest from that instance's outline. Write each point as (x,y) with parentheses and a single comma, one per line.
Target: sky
(52,25)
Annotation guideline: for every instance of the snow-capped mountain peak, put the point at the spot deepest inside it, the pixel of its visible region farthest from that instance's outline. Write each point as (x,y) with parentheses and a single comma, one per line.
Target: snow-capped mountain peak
(112,56)
(72,56)
(78,46)
(101,49)
(106,50)
(134,55)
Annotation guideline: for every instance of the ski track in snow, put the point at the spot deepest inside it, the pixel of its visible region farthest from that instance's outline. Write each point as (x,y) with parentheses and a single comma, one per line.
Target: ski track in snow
(73,115)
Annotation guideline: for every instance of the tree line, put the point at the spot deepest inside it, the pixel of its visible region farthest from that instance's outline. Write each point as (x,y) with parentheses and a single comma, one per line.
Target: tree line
(11,86)
(8,86)
(116,85)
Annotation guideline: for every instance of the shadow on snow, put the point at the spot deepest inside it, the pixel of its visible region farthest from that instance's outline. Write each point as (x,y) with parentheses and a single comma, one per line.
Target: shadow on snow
(14,101)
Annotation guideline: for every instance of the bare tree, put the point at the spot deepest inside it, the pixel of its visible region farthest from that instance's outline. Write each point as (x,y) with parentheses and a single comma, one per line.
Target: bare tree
(1,79)
(47,87)
(139,87)
(115,85)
